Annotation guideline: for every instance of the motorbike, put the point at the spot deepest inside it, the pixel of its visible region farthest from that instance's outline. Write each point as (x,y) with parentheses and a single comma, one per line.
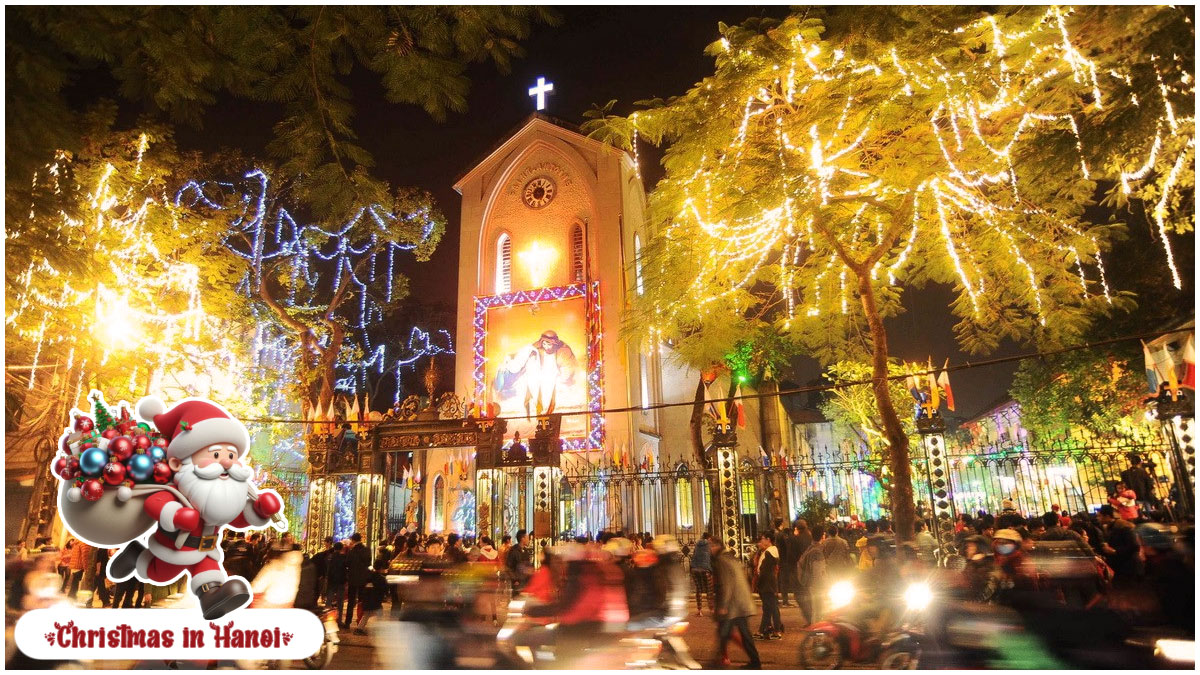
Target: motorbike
(533,644)
(444,618)
(841,638)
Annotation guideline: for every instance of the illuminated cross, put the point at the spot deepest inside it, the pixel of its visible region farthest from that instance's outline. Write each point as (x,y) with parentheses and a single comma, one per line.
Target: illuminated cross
(543,87)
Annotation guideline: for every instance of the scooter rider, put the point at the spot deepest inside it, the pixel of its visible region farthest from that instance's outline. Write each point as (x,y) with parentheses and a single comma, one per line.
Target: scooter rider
(662,598)
(590,602)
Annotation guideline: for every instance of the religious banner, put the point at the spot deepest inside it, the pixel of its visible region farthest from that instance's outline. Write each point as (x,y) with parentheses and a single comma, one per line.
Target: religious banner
(535,355)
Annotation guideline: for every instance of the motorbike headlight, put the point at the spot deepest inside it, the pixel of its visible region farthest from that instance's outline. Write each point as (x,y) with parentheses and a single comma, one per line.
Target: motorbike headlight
(841,594)
(918,596)
(1180,651)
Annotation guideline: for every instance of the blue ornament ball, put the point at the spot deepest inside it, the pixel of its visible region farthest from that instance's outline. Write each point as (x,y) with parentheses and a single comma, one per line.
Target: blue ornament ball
(157,454)
(92,461)
(141,467)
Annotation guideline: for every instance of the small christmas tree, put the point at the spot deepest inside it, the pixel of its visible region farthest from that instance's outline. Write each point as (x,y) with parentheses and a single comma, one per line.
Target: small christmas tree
(101,412)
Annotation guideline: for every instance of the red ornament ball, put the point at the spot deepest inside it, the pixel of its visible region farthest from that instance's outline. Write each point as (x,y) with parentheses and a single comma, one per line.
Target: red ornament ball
(162,473)
(142,442)
(114,473)
(110,433)
(73,464)
(60,467)
(92,489)
(161,442)
(121,448)
(84,424)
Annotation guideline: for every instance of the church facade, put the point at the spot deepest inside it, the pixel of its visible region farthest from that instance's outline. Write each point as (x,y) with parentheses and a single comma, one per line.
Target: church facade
(552,226)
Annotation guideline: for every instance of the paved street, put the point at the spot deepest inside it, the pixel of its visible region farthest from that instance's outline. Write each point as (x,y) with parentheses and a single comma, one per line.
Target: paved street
(357,652)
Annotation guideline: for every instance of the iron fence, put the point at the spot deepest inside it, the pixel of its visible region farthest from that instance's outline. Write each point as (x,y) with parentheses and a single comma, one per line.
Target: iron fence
(1074,473)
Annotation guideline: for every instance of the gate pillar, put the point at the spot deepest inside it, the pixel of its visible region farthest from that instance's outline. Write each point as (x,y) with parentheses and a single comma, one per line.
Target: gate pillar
(1177,413)
(728,518)
(545,449)
(937,472)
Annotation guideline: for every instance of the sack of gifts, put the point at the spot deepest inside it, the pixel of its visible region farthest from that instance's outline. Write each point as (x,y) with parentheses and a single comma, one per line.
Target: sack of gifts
(107,466)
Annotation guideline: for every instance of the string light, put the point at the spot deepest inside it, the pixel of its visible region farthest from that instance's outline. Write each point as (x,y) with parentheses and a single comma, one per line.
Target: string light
(978,132)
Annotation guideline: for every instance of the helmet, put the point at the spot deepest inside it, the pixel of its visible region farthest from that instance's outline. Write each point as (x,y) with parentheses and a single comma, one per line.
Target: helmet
(569,551)
(665,543)
(619,547)
(1010,535)
(1156,536)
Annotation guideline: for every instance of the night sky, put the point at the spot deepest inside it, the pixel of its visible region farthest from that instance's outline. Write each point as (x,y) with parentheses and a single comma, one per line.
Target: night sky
(595,54)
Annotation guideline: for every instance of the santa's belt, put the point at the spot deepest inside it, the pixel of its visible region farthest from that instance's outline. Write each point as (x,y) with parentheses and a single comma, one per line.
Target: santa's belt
(205,543)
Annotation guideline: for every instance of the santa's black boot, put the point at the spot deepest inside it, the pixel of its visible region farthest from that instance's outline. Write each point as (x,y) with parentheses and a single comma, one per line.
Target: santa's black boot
(217,600)
(124,564)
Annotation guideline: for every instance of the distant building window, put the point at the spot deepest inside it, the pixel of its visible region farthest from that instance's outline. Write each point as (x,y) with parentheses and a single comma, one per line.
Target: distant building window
(637,263)
(577,253)
(683,499)
(439,504)
(749,497)
(504,264)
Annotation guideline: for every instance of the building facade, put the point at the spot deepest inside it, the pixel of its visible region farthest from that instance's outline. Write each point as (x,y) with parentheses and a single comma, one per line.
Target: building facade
(552,227)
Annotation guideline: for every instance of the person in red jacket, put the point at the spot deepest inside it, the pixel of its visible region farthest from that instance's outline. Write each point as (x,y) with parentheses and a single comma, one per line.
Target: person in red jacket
(205,449)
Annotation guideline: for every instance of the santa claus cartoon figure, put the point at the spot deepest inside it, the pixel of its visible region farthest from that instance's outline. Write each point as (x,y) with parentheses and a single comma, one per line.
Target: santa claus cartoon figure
(206,447)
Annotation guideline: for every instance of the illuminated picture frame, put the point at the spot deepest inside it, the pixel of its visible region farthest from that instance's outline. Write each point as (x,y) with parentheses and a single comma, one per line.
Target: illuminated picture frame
(593,437)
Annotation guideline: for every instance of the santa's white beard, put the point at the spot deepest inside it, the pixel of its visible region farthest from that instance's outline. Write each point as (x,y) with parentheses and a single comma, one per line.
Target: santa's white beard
(218,500)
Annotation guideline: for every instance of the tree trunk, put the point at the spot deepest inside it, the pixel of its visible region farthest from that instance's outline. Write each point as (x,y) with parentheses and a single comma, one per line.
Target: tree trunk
(903,508)
(696,434)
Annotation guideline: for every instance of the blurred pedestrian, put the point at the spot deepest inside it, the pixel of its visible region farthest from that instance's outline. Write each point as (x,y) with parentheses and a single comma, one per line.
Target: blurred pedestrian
(373,592)
(64,563)
(358,569)
(702,572)
(836,551)
(1121,549)
(789,552)
(335,580)
(734,605)
(812,574)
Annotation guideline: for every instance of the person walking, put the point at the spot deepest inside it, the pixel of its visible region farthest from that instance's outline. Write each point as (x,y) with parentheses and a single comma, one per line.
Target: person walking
(836,551)
(789,553)
(335,579)
(64,564)
(358,569)
(81,557)
(1121,549)
(374,590)
(1138,479)
(518,562)
(811,577)
(99,580)
(702,573)
(320,562)
(766,582)
(734,604)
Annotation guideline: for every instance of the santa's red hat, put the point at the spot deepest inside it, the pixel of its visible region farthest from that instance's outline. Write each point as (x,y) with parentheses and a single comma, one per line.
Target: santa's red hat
(193,423)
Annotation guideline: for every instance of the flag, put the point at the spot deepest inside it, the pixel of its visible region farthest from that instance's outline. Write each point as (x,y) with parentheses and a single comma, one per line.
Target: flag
(934,401)
(1189,362)
(1152,375)
(1169,366)
(913,387)
(944,382)
(741,415)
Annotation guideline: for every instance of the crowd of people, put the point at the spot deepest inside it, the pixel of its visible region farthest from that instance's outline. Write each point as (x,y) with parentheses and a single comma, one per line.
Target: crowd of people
(1122,559)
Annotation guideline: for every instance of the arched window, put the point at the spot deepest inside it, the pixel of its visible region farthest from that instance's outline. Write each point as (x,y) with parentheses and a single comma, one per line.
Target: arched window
(504,264)
(749,497)
(637,262)
(439,505)
(577,253)
(707,499)
(683,499)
